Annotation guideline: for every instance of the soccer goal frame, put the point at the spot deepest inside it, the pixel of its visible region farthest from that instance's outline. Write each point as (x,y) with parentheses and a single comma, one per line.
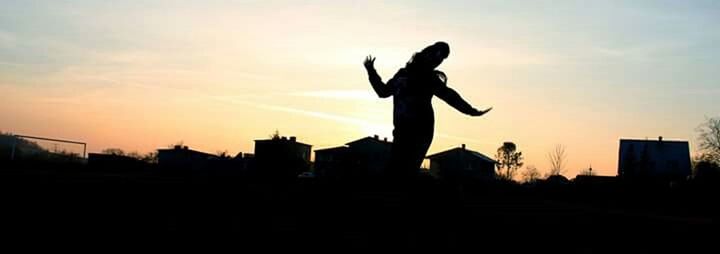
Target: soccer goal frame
(18,137)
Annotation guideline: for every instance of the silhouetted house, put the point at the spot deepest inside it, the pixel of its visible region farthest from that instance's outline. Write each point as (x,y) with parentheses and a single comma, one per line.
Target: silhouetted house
(365,157)
(556,180)
(244,161)
(461,163)
(181,157)
(332,162)
(596,181)
(281,157)
(654,159)
(371,154)
(115,163)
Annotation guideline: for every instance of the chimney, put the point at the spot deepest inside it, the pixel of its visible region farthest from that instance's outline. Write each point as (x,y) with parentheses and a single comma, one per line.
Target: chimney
(385,139)
(463,146)
(284,138)
(376,137)
(660,138)
(293,138)
(185,147)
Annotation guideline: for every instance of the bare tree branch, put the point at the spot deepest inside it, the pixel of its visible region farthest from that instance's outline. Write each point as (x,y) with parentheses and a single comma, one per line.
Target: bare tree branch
(710,139)
(557,159)
(531,174)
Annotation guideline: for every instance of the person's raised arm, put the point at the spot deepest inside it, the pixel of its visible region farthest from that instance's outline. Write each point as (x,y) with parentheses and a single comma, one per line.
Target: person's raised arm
(452,98)
(382,90)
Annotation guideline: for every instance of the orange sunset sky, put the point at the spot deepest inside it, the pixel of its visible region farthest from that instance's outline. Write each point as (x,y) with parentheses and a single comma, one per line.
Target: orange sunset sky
(139,75)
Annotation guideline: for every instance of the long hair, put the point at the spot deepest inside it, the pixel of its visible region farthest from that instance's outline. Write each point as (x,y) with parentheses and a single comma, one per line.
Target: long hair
(414,67)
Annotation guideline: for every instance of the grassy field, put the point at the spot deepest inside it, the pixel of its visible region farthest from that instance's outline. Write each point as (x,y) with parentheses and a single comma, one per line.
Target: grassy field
(127,208)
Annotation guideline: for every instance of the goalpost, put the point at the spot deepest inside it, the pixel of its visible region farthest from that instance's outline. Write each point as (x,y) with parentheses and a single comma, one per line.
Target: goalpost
(33,144)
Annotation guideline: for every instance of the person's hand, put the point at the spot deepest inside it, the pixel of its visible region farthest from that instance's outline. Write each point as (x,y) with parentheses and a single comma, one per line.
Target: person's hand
(369,62)
(480,112)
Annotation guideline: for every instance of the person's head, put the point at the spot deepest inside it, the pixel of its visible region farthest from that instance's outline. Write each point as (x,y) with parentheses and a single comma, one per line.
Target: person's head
(430,57)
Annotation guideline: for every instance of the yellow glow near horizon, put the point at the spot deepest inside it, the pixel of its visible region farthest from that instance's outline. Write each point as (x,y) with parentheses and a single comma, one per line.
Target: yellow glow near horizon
(217,76)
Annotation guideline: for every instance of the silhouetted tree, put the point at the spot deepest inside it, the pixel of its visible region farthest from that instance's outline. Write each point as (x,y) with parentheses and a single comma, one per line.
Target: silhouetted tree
(22,147)
(709,139)
(706,168)
(176,144)
(557,159)
(531,174)
(509,160)
(134,154)
(151,157)
(223,154)
(113,151)
(61,156)
(275,135)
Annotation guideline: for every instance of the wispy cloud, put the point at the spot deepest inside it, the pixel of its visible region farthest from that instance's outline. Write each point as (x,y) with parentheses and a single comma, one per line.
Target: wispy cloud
(7,40)
(365,124)
(701,91)
(311,113)
(357,94)
(639,53)
(11,64)
(463,139)
(323,115)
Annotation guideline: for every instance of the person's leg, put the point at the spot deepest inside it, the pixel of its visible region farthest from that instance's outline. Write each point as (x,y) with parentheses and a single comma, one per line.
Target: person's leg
(408,153)
(409,148)
(421,143)
(398,157)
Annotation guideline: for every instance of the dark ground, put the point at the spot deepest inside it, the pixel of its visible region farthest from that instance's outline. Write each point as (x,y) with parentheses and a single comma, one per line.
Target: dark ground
(61,209)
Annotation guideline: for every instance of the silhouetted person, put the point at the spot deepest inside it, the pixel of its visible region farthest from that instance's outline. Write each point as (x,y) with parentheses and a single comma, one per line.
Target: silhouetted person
(413,118)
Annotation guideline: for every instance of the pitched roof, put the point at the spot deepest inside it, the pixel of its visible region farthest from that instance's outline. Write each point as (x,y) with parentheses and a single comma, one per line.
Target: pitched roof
(460,149)
(330,149)
(185,150)
(369,139)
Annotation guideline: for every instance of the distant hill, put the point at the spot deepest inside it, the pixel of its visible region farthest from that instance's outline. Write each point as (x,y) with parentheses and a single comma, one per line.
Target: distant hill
(22,146)
(29,150)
